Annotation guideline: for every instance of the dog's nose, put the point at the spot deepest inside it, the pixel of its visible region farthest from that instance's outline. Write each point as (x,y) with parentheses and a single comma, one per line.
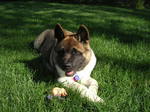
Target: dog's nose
(67,66)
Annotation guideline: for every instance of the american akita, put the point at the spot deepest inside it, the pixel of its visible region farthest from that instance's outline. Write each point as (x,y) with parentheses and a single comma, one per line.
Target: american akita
(69,55)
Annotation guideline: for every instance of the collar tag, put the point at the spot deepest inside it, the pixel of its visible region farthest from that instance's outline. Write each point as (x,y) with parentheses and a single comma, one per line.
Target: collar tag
(76,78)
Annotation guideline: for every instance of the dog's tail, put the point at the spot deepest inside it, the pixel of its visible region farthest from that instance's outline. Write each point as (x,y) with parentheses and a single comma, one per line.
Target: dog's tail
(44,41)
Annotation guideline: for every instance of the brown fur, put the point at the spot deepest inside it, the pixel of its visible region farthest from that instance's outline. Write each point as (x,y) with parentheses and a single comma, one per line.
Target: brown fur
(70,42)
(50,42)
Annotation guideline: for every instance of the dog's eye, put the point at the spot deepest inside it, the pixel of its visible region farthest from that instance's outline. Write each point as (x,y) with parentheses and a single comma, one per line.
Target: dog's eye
(74,51)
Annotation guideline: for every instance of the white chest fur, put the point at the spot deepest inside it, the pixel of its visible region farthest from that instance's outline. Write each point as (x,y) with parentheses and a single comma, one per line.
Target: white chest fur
(86,72)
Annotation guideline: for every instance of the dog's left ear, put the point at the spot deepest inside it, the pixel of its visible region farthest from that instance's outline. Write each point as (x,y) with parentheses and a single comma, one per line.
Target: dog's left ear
(59,33)
(83,34)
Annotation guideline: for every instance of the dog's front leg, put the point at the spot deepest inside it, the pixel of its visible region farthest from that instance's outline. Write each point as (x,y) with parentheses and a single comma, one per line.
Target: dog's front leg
(84,91)
(70,83)
(92,86)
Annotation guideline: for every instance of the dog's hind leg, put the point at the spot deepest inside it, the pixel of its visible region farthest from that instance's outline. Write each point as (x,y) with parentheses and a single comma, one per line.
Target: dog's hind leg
(45,41)
(45,44)
(40,39)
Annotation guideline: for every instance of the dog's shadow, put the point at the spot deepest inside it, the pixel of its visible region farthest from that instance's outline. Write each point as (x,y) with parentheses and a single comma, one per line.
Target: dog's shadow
(39,70)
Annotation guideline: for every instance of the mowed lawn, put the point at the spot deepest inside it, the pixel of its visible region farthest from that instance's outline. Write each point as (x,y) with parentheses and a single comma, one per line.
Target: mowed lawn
(120,38)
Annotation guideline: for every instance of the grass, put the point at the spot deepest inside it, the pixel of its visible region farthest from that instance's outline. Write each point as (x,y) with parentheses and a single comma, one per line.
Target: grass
(119,37)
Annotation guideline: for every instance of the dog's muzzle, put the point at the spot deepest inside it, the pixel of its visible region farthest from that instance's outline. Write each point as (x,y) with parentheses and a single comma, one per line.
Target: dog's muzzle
(68,69)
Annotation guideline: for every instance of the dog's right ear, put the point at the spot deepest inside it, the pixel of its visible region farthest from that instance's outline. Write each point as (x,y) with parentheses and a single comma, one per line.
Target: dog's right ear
(83,34)
(59,33)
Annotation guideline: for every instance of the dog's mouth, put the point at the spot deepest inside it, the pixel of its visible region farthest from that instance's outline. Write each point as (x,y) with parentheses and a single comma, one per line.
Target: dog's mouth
(70,73)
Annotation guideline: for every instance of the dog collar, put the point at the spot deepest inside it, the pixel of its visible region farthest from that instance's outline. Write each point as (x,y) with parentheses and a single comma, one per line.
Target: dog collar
(76,78)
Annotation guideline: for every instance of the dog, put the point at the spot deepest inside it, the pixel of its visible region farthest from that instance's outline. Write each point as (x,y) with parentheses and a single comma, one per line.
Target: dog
(70,56)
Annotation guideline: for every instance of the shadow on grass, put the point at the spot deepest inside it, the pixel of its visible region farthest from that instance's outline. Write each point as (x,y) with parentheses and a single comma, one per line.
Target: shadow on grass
(143,14)
(30,18)
(40,72)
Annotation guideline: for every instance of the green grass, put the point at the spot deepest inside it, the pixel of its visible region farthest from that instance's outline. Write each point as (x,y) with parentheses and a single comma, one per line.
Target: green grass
(120,39)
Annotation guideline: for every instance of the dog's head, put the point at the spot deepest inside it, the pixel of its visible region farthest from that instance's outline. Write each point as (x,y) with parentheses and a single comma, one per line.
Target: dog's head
(72,49)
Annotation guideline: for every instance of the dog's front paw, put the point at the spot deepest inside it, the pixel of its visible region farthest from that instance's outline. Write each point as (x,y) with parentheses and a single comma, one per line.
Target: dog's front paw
(94,97)
(98,99)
